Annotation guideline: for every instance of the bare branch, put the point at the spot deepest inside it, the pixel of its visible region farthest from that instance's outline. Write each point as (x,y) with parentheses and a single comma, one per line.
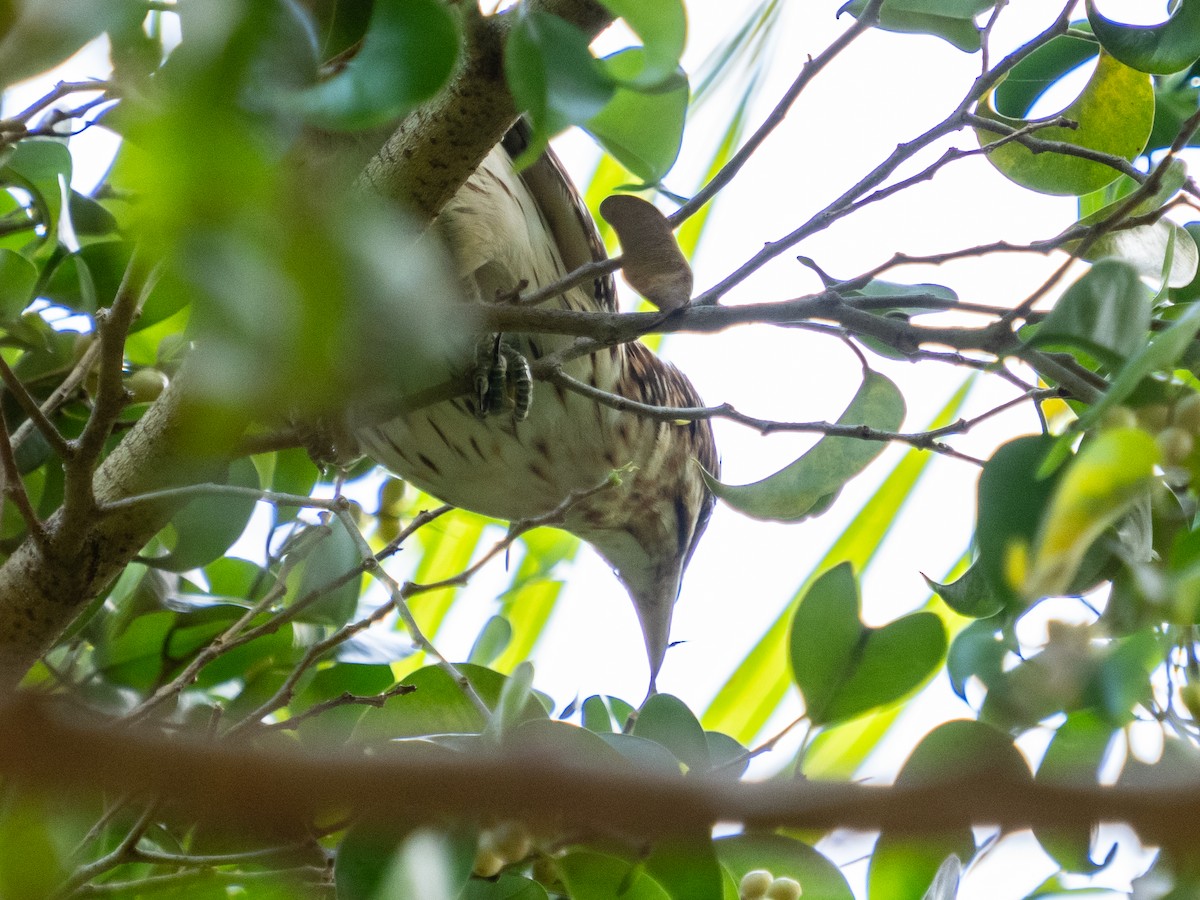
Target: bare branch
(865,21)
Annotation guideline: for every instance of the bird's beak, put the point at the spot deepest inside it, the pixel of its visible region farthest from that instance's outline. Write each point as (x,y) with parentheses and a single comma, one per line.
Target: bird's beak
(655,605)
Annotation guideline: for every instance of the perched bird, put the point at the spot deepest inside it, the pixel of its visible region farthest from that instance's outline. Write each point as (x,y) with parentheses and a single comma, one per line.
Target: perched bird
(514,449)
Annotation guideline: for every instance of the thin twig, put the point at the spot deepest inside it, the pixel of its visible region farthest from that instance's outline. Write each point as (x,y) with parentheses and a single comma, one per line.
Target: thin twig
(119,855)
(36,417)
(865,21)
(14,487)
(844,204)
(922,441)
(59,395)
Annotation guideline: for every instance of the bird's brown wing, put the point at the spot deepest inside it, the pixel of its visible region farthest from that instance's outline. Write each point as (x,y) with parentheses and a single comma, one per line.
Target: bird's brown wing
(570,222)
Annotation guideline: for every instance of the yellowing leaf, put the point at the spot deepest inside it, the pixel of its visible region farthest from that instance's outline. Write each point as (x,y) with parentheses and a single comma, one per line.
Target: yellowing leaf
(1110,472)
(1115,113)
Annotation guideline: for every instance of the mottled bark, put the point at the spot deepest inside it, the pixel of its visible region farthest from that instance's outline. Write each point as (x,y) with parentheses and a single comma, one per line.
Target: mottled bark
(44,587)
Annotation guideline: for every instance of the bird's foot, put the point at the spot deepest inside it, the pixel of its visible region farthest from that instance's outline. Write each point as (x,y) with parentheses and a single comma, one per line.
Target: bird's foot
(502,380)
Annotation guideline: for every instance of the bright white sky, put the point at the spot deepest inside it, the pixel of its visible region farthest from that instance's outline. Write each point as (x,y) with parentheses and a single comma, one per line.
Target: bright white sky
(886,89)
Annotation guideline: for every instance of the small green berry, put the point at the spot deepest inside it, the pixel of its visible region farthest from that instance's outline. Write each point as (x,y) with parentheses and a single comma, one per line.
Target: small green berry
(1187,413)
(145,385)
(1118,417)
(1154,417)
(784,889)
(488,863)
(754,884)
(512,841)
(1175,445)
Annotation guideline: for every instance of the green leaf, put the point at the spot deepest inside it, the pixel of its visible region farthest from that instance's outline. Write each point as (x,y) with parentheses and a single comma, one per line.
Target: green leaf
(294,473)
(662,26)
(843,668)
(1122,680)
(33,861)
(553,75)
(951,20)
(1074,757)
(1114,113)
(806,487)
(954,750)
(531,596)
(515,694)
(1175,99)
(507,887)
(1162,49)
(645,754)
(753,692)
(89,278)
(18,276)
(783,857)
(1111,471)
(877,287)
(971,595)
(1161,354)
(597,876)
(729,757)
(440,706)
(643,130)
(1030,78)
(1106,313)
(335,554)
(686,867)
(978,650)
(134,657)
(445,551)
(1146,247)
(49,31)
(208,526)
(1150,249)
(1011,502)
(407,54)
(666,720)
(560,740)
(903,866)
(433,865)
(1107,200)
(343,678)
(41,167)
(595,715)
(492,639)
(89,217)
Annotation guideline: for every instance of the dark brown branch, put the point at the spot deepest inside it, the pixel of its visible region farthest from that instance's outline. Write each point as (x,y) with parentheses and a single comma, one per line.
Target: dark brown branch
(257,787)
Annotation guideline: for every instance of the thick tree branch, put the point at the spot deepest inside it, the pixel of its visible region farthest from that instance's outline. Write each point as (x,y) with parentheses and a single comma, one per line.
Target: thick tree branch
(436,148)
(43,589)
(261,787)
(429,157)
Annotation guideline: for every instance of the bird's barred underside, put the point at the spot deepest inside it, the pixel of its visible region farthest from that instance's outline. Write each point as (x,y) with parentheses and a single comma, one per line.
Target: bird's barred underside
(504,229)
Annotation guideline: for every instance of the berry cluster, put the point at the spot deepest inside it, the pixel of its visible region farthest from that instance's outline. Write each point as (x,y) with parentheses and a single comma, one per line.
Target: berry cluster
(501,846)
(762,885)
(1175,428)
